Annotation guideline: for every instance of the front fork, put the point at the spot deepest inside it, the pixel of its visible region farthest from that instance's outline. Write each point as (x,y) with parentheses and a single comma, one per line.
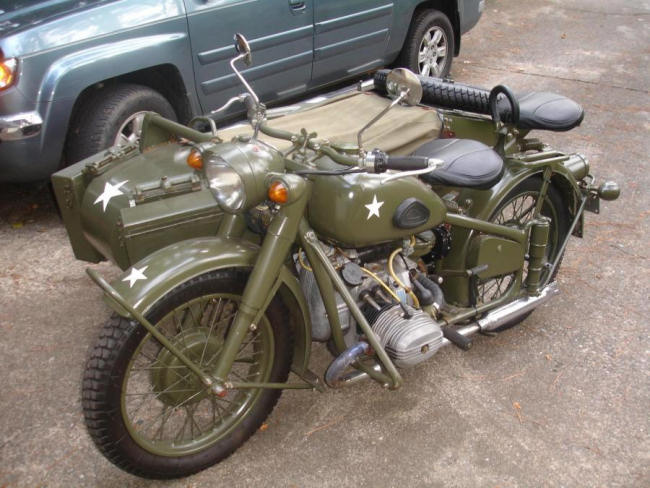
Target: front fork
(261,286)
(263,281)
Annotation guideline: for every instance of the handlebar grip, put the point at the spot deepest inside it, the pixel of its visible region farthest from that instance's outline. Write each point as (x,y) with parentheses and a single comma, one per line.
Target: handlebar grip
(407,163)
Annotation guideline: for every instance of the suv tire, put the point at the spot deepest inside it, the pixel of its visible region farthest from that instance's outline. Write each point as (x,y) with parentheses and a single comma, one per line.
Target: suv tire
(108,112)
(430,45)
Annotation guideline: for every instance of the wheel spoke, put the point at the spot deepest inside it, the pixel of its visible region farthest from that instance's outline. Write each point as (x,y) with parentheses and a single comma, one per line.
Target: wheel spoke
(436,38)
(426,69)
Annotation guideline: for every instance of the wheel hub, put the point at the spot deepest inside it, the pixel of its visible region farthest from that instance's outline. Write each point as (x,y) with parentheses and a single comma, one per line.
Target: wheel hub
(172,381)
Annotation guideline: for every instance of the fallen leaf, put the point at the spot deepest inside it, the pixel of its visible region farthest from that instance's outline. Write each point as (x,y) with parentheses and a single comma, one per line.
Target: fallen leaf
(548,357)
(17,225)
(264,427)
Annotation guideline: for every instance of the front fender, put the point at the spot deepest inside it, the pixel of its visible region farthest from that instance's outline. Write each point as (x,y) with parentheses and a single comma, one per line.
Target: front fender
(177,263)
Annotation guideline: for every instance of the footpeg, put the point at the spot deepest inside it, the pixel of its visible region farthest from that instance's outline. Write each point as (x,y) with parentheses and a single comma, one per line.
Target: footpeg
(456,338)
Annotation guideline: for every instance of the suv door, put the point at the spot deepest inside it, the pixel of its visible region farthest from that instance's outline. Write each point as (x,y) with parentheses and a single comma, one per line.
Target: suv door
(280,33)
(349,37)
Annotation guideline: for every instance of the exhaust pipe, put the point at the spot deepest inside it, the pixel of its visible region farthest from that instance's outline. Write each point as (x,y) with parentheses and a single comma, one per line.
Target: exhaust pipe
(514,310)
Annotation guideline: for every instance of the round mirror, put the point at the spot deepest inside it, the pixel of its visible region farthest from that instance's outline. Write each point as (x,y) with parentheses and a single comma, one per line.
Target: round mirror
(242,47)
(400,81)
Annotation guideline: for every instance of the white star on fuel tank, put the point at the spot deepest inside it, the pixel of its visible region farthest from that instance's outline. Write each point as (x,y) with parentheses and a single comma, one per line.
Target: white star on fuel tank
(135,275)
(373,208)
(110,191)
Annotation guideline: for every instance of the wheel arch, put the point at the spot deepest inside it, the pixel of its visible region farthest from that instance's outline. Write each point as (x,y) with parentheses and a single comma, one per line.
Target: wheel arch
(177,263)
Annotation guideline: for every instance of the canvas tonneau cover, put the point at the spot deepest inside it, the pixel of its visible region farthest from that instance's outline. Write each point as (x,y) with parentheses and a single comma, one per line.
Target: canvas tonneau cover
(339,119)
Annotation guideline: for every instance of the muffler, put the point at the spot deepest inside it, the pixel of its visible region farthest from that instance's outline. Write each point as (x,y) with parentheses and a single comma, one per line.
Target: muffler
(513,310)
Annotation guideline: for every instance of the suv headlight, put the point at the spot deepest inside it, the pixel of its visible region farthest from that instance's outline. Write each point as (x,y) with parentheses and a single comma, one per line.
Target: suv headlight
(8,70)
(225,183)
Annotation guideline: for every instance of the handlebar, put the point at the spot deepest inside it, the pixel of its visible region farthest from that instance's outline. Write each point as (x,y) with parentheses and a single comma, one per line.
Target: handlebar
(383,162)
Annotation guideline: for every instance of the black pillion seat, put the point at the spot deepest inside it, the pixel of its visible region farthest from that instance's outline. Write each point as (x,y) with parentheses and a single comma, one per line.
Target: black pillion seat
(468,163)
(544,111)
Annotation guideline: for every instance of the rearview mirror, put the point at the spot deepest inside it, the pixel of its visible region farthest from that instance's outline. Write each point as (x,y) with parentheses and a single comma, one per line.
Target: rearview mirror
(242,47)
(401,82)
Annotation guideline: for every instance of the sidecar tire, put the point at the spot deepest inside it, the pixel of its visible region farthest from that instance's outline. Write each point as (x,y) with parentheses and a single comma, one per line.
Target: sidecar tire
(423,22)
(114,356)
(555,204)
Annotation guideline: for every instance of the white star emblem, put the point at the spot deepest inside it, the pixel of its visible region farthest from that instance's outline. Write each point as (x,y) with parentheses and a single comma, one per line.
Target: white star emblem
(373,208)
(110,191)
(135,275)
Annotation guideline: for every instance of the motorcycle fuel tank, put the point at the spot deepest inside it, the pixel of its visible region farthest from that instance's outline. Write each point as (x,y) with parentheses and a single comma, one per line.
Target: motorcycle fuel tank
(361,209)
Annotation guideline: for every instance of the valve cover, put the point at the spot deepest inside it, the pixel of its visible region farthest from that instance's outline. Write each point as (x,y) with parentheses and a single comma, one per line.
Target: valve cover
(408,341)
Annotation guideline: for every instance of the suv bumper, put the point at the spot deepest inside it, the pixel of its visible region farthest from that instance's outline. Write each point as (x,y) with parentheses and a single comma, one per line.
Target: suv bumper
(20,126)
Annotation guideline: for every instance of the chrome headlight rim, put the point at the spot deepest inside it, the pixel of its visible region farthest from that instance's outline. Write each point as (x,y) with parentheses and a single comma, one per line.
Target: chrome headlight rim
(225,183)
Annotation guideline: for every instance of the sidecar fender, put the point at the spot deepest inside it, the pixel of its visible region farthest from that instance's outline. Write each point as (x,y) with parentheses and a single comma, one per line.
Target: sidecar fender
(148,280)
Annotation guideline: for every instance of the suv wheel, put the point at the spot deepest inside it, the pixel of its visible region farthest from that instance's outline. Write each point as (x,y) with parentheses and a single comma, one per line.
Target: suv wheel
(113,116)
(429,46)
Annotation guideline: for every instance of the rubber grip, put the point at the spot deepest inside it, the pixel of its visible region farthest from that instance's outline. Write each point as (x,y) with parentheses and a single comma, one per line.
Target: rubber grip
(407,163)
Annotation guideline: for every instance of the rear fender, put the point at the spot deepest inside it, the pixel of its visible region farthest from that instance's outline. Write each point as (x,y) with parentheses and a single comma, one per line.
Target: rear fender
(482,204)
(177,263)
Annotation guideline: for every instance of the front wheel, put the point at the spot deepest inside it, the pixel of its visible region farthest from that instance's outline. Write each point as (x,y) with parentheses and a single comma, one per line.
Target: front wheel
(150,415)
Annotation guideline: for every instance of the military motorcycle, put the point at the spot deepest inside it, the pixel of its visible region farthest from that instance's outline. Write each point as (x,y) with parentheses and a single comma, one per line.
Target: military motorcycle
(241,247)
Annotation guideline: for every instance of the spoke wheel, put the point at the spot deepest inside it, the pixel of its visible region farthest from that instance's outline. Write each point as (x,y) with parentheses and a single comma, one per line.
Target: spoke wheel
(170,424)
(516,209)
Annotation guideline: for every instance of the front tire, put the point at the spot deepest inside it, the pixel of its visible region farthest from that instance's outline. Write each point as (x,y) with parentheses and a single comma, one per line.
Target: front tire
(430,45)
(148,414)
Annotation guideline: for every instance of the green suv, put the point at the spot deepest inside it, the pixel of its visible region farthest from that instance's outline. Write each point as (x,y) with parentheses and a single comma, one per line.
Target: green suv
(77,77)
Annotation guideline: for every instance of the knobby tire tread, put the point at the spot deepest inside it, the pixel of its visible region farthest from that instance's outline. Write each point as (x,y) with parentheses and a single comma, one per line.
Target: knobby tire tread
(105,356)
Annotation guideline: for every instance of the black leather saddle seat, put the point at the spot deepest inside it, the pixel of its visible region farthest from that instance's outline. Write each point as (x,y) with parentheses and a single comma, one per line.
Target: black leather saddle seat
(545,111)
(468,163)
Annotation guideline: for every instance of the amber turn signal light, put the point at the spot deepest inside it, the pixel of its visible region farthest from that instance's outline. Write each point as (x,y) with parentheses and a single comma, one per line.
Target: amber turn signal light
(194,159)
(278,192)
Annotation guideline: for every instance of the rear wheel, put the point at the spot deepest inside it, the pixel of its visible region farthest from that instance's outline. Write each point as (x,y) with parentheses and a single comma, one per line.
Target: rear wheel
(149,414)
(516,209)
(429,46)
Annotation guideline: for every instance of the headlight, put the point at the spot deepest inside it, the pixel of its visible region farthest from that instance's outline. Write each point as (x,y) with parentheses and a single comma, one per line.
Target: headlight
(226,185)
(8,68)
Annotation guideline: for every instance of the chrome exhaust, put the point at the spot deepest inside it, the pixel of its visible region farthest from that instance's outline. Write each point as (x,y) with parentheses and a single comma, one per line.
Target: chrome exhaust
(513,310)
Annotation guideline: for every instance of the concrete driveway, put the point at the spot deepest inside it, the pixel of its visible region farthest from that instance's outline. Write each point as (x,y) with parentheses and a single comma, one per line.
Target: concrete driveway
(562,400)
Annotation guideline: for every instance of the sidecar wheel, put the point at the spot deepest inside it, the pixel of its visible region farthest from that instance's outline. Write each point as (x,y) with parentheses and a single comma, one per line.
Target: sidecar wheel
(148,414)
(429,46)
(516,209)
